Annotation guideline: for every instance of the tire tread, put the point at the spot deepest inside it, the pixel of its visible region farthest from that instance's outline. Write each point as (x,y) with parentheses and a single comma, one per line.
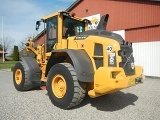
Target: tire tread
(79,90)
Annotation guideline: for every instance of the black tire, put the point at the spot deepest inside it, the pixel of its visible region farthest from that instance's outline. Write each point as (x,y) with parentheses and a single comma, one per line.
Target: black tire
(23,83)
(75,90)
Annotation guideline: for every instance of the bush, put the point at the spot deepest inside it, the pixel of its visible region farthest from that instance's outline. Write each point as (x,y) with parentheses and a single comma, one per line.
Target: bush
(15,53)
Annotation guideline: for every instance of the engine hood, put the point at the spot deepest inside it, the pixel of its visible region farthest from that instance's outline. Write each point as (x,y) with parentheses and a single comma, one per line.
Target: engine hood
(103,33)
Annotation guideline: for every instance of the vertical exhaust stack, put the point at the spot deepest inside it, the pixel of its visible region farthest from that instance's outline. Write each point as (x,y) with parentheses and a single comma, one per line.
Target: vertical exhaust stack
(103,22)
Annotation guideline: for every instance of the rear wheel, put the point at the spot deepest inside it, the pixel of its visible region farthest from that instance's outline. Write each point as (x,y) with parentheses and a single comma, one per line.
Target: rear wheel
(19,78)
(64,90)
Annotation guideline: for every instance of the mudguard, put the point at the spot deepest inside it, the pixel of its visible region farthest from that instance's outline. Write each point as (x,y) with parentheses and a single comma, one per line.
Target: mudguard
(81,63)
(32,69)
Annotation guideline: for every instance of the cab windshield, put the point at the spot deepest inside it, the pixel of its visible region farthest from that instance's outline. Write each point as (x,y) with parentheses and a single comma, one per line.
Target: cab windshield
(72,27)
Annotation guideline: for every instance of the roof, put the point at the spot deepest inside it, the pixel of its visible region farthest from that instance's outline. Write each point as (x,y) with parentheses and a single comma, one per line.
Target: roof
(41,33)
(73,5)
(51,15)
(1,52)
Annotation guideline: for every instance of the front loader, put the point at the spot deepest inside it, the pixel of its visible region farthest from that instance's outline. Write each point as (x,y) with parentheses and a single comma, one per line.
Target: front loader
(74,61)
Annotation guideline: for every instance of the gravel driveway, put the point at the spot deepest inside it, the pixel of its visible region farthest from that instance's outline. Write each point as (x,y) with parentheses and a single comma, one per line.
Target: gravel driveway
(141,102)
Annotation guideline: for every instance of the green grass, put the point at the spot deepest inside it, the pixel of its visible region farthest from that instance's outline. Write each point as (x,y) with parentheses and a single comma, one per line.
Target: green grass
(7,64)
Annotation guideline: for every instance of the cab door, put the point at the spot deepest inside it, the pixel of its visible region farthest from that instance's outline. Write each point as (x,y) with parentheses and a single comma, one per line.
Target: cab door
(51,33)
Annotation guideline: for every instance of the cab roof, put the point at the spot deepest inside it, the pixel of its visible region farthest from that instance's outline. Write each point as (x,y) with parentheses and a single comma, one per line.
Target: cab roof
(57,13)
(51,15)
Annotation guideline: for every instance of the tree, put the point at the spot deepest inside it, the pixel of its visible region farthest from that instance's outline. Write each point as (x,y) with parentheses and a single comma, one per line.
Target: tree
(22,45)
(15,53)
(8,42)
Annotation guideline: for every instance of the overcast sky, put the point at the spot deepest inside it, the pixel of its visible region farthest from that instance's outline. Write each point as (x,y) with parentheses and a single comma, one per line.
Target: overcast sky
(20,16)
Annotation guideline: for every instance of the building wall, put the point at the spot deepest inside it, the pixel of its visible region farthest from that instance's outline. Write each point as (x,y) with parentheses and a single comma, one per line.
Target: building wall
(1,57)
(124,14)
(40,40)
(144,34)
(147,55)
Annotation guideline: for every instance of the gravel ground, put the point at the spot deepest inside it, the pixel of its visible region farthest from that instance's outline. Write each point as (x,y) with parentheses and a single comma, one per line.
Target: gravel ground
(141,102)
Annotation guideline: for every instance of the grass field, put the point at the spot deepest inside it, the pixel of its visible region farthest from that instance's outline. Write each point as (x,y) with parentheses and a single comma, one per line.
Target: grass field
(7,64)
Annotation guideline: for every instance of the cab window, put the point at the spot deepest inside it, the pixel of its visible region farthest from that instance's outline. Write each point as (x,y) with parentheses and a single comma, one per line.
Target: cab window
(51,33)
(72,27)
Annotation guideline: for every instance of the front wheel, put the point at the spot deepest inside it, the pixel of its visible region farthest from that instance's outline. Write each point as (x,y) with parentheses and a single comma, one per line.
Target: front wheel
(19,78)
(64,90)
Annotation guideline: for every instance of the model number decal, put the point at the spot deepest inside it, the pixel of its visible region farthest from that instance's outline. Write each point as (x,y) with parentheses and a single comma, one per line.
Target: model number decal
(109,48)
(111,58)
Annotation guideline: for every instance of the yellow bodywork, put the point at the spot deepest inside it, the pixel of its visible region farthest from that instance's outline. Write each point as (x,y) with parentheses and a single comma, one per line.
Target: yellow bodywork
(104,82)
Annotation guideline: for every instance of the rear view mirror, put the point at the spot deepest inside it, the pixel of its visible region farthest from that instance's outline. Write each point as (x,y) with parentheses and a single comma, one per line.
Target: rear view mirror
(38,23)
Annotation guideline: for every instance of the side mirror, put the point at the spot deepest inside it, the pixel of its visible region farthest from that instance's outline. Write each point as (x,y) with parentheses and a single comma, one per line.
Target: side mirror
(38,23)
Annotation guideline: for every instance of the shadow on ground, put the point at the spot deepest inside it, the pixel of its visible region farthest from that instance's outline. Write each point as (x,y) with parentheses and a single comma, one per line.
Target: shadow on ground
(111,102)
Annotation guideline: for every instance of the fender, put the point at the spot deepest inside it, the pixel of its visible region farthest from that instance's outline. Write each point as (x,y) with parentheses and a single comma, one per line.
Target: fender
(81,63)
(32,69)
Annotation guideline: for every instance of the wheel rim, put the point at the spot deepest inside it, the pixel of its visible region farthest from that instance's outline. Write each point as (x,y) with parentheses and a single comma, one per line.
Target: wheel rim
(18,76)
(59,86)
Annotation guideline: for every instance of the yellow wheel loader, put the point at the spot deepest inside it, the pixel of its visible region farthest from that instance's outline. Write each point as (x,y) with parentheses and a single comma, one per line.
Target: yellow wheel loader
(74,61)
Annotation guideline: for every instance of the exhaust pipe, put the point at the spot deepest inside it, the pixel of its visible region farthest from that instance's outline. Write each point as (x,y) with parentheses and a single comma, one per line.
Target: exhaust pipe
(103,22)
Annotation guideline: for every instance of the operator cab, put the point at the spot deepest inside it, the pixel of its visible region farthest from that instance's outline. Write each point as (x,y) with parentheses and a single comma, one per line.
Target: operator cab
(60,26)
